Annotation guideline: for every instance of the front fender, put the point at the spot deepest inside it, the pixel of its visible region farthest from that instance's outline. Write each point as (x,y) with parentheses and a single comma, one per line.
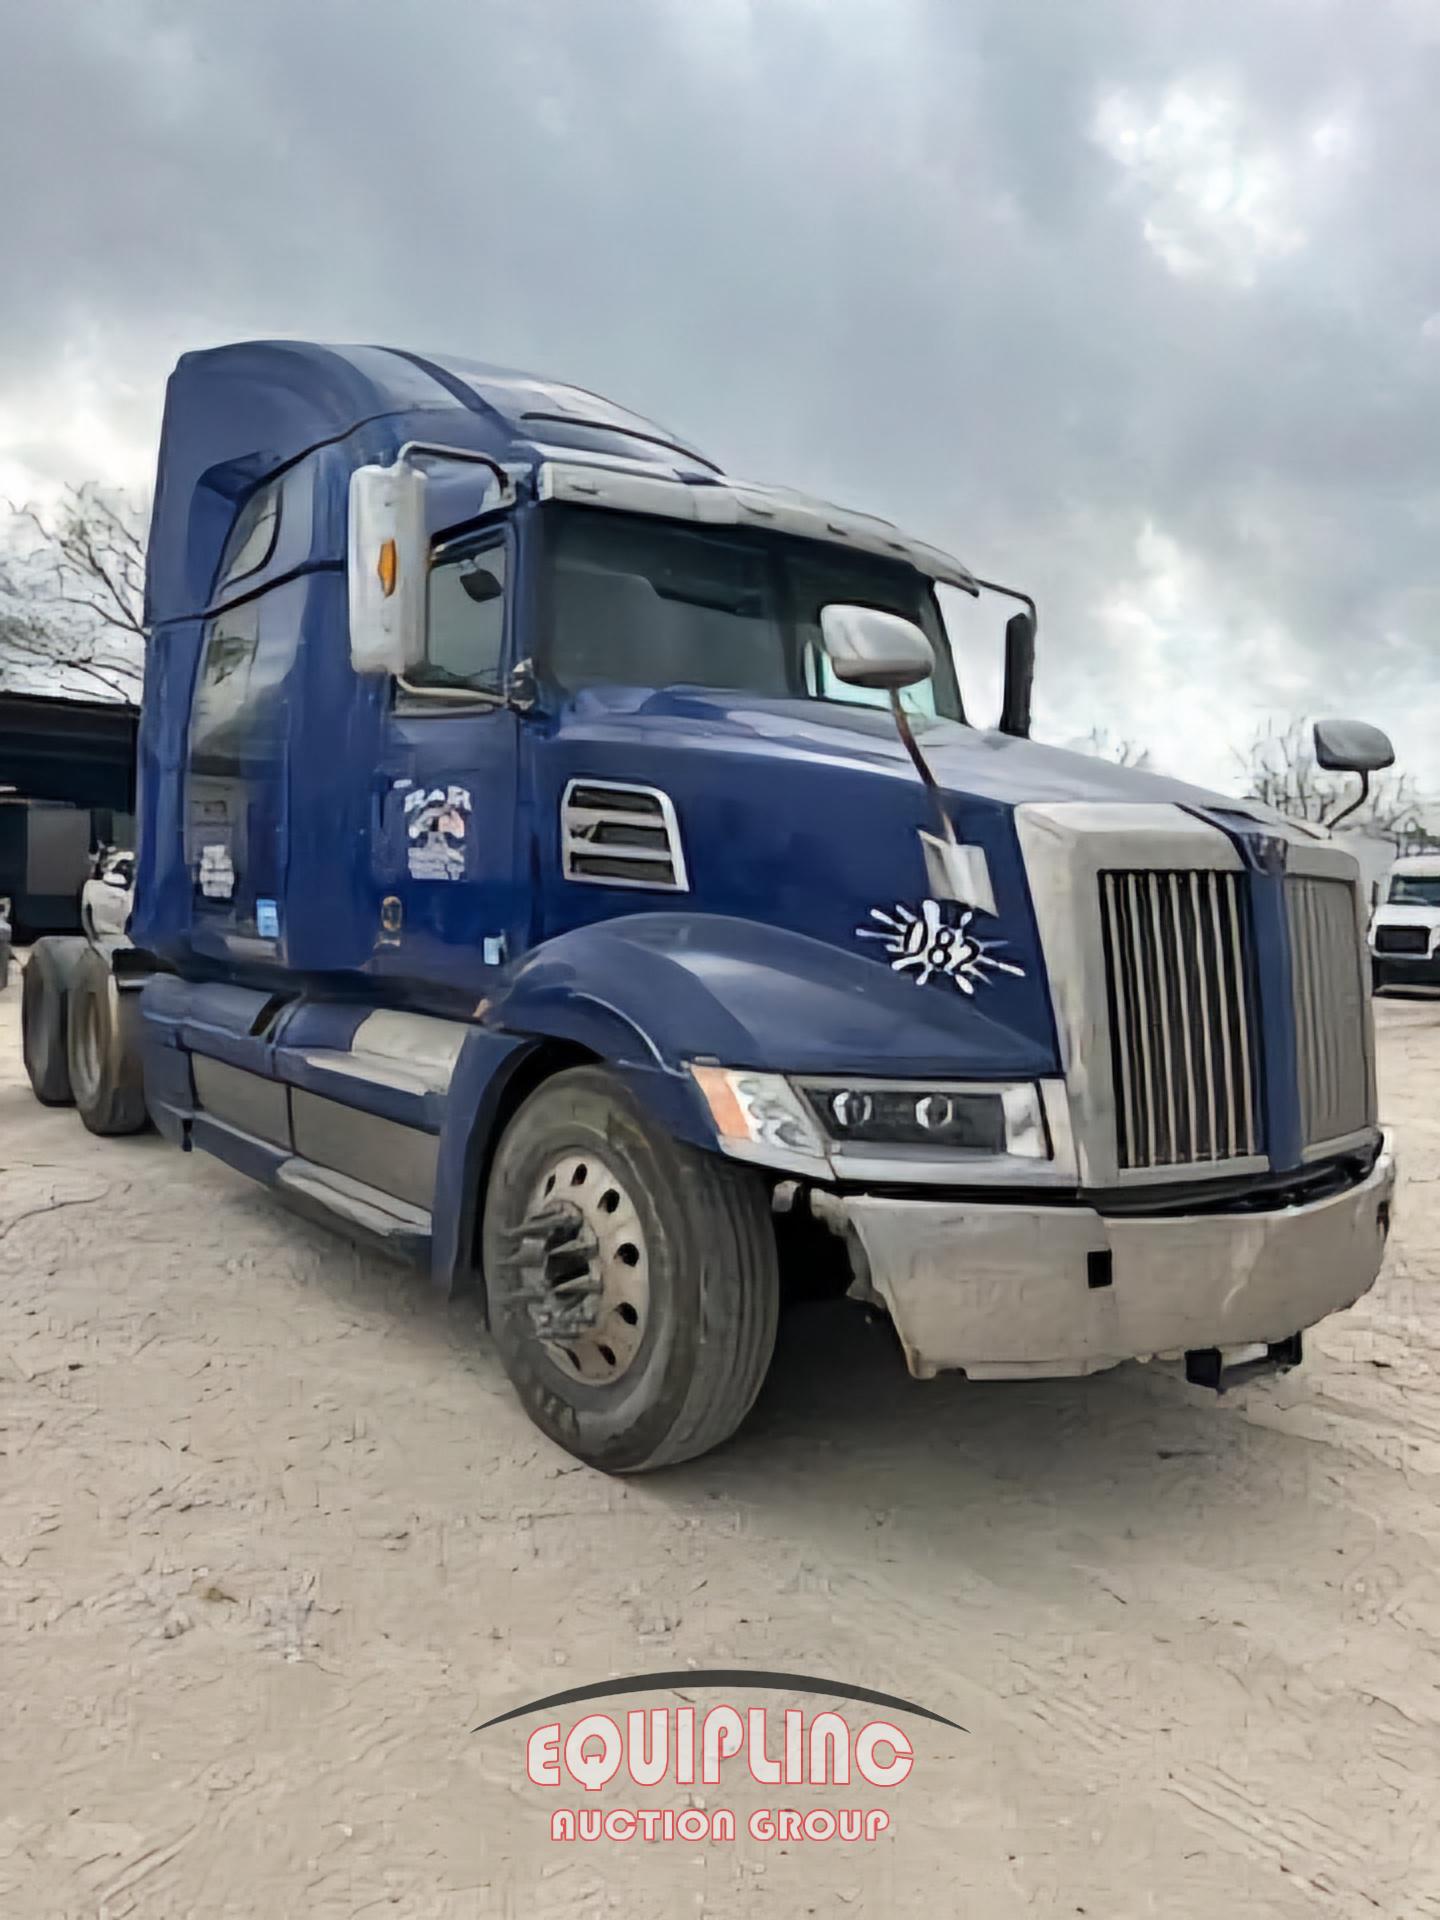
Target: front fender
(657,990)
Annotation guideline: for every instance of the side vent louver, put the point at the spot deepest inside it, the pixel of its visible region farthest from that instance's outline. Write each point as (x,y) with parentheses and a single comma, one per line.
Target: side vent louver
(614,835)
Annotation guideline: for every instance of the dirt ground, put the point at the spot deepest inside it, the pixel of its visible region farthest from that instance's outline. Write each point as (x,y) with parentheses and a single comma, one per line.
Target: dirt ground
(275,1538)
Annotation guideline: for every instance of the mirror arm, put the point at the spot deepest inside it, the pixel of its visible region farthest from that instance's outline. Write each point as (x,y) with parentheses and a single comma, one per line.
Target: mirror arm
(922,766)
(434,450)
(1354,806)
(521,691)
(1011,593)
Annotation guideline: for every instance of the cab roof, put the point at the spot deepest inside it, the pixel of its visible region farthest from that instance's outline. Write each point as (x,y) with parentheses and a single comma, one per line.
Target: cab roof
(236,414)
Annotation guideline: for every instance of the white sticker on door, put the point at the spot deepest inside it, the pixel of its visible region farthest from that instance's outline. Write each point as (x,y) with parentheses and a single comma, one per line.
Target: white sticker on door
(437,824)
(217,873)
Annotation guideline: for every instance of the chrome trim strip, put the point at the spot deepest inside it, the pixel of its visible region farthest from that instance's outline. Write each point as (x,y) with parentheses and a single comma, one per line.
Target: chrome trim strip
(1222,995)
(1212,1110)
(1167,1047)
(1192,1105)
(1347,1143)
(1128,1103)
(1132,889)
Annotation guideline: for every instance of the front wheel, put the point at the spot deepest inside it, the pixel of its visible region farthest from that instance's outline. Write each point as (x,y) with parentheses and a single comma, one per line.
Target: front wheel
(632,1282)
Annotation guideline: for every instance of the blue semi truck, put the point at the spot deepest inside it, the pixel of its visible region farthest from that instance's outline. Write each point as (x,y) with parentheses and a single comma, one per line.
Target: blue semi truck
(575,870)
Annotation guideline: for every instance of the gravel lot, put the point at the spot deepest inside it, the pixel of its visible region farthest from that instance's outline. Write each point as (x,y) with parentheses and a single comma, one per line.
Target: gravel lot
(274,1539)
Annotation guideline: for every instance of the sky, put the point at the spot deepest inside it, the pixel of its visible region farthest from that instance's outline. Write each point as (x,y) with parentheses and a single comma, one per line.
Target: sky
(1133,303)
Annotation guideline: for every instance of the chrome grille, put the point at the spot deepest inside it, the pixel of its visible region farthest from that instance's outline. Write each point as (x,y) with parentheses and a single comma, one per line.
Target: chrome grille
(1332,1024)
(1179,979)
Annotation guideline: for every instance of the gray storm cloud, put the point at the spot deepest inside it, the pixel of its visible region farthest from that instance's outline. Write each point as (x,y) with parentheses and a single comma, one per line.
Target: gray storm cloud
(1136,303)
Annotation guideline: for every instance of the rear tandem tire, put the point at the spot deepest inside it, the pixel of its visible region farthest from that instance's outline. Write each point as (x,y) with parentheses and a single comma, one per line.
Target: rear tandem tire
(683,1244)
(106,1078)
(45,1017)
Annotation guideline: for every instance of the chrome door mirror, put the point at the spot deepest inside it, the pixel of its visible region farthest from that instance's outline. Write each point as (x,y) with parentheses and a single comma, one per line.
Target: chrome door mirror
(388,558)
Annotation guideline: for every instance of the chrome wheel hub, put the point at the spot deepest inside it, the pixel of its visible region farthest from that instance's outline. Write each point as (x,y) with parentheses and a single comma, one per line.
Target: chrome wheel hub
(585,1269)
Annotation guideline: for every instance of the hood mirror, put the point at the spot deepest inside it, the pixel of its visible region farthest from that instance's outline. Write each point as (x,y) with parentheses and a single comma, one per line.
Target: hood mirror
(1352,746)
(867,648)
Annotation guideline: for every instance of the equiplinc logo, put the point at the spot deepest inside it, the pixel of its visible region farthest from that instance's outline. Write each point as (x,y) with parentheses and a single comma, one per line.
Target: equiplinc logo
(661,1751)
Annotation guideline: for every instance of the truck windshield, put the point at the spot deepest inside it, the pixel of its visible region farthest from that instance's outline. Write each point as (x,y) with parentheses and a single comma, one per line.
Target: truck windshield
(1415,890)
(637,602)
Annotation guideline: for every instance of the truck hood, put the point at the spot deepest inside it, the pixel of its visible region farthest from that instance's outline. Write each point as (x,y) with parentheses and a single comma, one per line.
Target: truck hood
(801,818)
(967,761)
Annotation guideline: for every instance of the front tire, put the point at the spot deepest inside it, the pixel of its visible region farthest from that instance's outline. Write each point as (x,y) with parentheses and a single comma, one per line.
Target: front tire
(632,1282)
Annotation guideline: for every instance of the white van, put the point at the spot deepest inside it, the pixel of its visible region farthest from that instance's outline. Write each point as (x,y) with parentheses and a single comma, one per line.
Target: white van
(1405,932)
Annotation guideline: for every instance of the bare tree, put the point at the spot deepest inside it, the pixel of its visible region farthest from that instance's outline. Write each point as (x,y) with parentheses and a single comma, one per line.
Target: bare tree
(91,548)
(36,656)
(1280,770)
(1103,745)
(72,591)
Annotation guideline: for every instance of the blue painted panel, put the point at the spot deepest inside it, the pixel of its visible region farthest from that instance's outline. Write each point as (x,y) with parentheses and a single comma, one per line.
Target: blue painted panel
(1280,1054)
(169,1089)
(659,989)
(316,1024)
(255,1158)
(217,1019)
(486,1063)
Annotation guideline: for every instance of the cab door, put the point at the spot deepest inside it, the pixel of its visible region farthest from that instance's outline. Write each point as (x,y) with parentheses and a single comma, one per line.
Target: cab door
(444,841)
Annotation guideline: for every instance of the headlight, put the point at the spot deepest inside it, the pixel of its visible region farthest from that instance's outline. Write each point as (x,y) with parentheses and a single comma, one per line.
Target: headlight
(759,1115)
(985,1120)
(826,1125)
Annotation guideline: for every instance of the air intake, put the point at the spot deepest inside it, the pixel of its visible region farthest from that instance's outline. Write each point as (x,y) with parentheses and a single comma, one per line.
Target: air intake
(612,835)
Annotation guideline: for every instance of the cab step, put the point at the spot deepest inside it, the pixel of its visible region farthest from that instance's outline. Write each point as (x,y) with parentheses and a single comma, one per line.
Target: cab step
(393,1224)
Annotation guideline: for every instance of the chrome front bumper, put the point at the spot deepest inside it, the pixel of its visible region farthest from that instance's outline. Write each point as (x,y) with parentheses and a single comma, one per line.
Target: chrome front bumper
(1013,1293)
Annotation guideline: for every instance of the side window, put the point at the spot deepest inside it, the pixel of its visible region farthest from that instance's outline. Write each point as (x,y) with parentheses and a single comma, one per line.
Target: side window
(239,714)
(252,538)
(222,702)
(465,627)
